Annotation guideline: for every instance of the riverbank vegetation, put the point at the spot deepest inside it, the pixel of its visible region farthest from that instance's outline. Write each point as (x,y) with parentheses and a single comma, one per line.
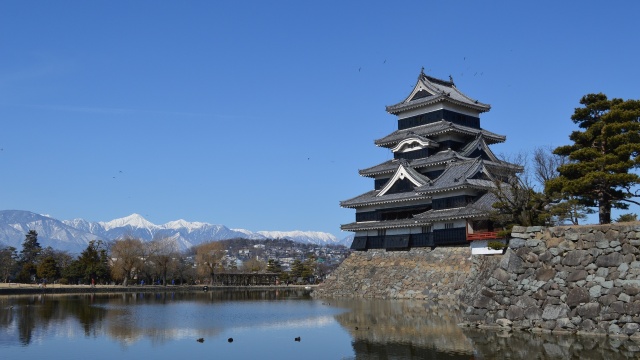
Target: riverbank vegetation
(131,261)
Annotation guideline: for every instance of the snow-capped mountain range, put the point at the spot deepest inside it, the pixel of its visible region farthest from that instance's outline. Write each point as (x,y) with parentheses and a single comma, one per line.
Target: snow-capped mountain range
(74,235)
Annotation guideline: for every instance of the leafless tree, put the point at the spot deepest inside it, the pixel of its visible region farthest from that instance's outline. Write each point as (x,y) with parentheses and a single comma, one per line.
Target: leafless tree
(545,164)
(210,259)
(127,256)
(163,256)
(254,265)
(562,208)
(518,202)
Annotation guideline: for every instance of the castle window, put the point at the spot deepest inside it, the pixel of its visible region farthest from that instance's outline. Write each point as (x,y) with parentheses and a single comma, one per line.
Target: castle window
(448,225)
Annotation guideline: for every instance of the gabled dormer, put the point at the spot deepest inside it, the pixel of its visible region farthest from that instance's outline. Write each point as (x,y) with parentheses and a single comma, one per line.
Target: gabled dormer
(478,171)
(413,147)
(405,179)
(478,148)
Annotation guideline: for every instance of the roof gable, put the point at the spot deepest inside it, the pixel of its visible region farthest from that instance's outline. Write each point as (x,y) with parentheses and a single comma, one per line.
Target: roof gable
(479,148)
(429,90)
(421,93)
(404,172)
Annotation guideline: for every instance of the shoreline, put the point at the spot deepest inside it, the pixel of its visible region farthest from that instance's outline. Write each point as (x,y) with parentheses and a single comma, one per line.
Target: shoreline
(27,289)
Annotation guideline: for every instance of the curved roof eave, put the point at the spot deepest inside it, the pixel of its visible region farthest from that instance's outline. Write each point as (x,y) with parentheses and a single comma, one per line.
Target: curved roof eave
(424,190)
(402,107)
(401,134)
(380,202)
(385,225)
(364,173)
(454,217)
(389,167)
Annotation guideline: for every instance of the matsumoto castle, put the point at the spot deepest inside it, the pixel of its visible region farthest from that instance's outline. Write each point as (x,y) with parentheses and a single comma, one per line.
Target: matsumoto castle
(437,188)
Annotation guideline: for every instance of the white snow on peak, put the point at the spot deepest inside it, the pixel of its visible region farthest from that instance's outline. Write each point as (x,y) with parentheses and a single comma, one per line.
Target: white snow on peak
(75,222)
(249,233)
(183,224)
(297,235)
(133,220)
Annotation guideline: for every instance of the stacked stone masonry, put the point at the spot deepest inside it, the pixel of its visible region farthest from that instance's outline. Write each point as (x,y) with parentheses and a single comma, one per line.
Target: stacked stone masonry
(419,273)
(577,279)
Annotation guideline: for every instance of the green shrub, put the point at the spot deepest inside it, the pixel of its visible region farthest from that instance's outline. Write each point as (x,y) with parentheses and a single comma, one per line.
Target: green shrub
(496,245)
(627,218)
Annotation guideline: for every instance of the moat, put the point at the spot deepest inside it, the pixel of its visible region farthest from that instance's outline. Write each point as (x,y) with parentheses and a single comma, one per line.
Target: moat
(287,324)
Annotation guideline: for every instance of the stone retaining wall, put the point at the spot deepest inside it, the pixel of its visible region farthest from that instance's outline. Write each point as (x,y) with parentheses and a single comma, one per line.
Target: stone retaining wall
(566,279)
(583,279)
(419,273)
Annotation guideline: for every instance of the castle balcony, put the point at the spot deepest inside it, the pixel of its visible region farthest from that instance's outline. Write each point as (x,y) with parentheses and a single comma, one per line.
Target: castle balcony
(484,235)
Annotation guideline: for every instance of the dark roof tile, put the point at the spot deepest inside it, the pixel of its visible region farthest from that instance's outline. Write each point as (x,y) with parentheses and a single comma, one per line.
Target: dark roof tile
(436,128)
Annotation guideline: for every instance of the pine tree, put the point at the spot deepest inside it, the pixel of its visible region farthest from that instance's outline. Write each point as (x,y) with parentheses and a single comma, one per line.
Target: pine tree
(296,269)
(93,263)
(48,269)
(29,257)
(30,248)
(602,155)
(273,266)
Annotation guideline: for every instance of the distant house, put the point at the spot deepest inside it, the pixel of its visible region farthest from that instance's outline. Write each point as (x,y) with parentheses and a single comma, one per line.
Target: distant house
(437,189)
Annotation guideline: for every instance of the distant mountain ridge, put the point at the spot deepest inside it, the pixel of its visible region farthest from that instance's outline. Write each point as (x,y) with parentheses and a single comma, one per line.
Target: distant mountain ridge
(74,235)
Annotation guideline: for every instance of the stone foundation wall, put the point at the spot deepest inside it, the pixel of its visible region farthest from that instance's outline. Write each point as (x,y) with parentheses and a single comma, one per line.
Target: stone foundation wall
(419,273)
(567,279)
(583,279)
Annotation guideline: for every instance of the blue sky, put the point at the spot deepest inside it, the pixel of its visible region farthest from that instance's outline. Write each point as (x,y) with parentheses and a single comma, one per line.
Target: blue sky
(257,114)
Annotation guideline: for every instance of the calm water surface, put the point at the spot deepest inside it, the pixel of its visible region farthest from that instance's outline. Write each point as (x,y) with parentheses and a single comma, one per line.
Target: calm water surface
(264,325)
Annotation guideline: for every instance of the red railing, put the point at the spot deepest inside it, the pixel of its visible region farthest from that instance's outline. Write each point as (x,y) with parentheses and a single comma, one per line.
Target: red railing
(484,235)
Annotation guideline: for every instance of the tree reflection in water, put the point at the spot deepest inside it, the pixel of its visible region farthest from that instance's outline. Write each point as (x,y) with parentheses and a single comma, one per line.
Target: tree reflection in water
(376,329)
(114,313)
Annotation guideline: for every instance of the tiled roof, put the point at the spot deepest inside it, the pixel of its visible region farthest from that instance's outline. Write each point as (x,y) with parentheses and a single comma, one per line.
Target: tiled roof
(481,208)
(387,224)
(478,143)
(437,128)
(456,175)
(391,165)
(422,179)
(440,91)
(370,198)
(439,158)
